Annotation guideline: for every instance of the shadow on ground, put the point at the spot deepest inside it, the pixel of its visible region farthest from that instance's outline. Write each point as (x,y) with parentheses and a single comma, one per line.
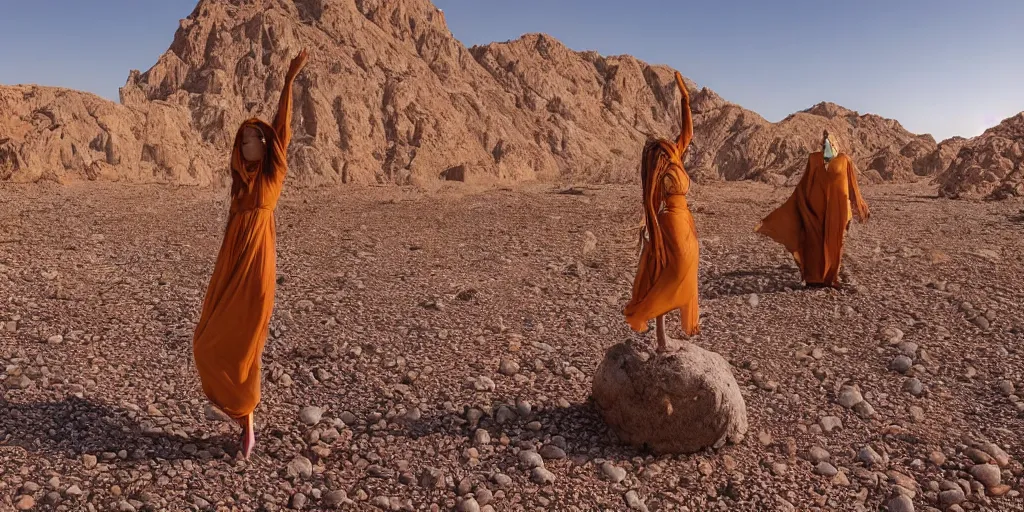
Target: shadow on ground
(76,426)
(581,426)
(763,280)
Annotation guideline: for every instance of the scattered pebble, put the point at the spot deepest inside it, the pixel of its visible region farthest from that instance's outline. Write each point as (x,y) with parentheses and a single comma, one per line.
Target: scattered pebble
(311,415)
(300,467)
(468,505)
(849,397)
(541,476)
(987,474)
(869,457)
(830,423)
(818,454)
(901,364)
(913,386)
(634,502)
(900,503)
(825,469)
(612,472)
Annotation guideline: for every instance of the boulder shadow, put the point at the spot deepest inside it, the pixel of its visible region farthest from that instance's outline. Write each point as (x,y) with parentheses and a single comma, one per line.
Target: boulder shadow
(76,426)
(586,435)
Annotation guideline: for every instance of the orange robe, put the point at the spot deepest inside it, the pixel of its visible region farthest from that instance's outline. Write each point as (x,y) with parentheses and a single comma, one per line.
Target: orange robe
(812,223)
(229,339)
(666,277)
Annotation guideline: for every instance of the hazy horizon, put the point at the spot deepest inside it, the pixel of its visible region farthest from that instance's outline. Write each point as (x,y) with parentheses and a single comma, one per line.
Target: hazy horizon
(910,61)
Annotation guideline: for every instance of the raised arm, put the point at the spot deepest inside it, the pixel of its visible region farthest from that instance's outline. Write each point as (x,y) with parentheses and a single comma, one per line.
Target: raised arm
(283,119)
(686,134)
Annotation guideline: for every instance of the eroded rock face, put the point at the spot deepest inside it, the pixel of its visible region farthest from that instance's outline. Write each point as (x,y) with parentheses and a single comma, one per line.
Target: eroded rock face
(390,96)
(990,165)
(48,133)
(680,403)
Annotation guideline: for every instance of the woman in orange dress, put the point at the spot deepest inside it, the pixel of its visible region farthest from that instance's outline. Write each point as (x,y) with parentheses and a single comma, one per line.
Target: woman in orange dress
(666,277)
(228,341)
(812,223)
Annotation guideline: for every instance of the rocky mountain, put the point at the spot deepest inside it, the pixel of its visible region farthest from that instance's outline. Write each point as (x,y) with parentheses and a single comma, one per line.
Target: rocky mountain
(390,96)
(990,165)
(48,133)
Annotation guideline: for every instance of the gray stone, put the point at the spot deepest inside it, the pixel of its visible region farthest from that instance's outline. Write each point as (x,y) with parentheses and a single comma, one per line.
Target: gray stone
(913,386)
(468,505)
(504,415)
(634,502)
(311,415)
(849,396)
(864,410)
(830,423)
(613,473)
(817,454)
(299,467)
(908,348)
(482,437)
(869,457)
(531,459)
(901,364)
(900,503)
(542,476)
(951,497)
(335,498)
(552,452)
(825,469)
(508,367)
(987,474)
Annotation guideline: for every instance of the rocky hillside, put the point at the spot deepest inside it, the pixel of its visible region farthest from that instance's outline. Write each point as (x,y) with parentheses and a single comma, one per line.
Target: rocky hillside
(990,165)
(390,96)
(47,133)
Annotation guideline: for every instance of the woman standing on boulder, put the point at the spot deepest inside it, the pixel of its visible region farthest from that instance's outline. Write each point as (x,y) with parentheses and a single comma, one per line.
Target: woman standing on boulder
(229,339)
(666,278)
(812,223)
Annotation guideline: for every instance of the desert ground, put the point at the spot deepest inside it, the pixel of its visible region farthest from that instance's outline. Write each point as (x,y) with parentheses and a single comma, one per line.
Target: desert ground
(426,346)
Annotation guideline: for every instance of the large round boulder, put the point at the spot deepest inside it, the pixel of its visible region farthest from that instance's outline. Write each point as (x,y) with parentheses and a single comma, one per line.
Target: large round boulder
(680,402)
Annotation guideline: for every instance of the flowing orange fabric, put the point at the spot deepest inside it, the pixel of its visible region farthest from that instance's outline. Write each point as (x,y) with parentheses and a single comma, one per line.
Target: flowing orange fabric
(229,339)
(666,277)
(812,223)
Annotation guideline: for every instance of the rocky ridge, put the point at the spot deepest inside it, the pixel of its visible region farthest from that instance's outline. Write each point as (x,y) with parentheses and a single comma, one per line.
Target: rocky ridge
(391,96)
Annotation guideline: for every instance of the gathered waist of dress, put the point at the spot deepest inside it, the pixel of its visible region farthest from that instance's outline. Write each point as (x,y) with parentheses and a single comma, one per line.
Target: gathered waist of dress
(252,209)
(676,201)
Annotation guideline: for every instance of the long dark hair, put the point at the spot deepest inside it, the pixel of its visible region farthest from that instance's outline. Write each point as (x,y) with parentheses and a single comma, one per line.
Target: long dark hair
(243,175)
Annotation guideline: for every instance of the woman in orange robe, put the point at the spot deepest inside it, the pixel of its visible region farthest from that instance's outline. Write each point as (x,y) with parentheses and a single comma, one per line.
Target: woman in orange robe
(229,339)
(666,277)
(812,224)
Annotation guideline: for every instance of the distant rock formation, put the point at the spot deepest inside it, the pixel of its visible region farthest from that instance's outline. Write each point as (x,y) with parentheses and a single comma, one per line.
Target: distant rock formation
(390,96)
(990,165)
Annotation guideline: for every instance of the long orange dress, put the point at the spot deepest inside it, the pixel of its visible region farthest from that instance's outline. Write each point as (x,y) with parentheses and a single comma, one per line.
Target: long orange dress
(812,223)
(229,339)
(666,276)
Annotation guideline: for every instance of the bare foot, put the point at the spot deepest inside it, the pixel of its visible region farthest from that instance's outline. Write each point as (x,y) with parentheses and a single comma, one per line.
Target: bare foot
(671,345)
(666,343)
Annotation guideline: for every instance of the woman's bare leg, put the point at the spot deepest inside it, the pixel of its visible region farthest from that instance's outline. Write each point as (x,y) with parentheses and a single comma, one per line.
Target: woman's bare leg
(248,435)
(666,343)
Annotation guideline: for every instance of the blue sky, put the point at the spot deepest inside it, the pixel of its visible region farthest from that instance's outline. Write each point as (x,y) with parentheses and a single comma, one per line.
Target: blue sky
(945,67)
